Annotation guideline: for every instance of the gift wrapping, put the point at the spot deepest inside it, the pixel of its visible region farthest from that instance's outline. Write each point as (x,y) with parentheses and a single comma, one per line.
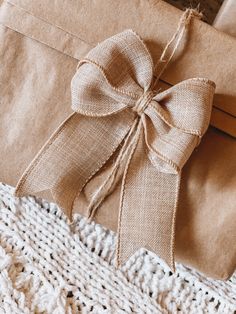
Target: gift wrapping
(40,47)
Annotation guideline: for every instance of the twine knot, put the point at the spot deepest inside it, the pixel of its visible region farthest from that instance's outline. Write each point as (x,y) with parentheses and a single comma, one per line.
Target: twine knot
(143,102)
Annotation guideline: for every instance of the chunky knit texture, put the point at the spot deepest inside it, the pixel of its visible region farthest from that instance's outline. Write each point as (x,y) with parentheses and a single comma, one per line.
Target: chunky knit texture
(47,268)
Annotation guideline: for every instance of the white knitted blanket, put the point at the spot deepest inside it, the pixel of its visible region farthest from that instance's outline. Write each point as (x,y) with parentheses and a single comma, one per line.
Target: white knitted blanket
(46,268)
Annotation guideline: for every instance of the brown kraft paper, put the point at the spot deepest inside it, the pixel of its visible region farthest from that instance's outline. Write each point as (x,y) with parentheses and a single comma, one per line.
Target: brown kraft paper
(226,18)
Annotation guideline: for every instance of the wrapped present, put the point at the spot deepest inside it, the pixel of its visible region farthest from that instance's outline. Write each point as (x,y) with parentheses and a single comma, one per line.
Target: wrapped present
(41,48)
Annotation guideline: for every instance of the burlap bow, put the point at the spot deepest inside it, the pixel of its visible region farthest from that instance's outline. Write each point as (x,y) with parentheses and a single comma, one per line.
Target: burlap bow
(118,111)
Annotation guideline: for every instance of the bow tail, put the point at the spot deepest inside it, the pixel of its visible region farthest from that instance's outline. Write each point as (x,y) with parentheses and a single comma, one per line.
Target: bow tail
(72,156)
(148,208)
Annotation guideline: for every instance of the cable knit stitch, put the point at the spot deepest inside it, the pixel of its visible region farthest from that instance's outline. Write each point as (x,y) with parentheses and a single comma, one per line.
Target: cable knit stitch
(46,268)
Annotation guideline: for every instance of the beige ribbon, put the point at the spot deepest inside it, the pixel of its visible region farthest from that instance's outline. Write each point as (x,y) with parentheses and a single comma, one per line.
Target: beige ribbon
(152,134)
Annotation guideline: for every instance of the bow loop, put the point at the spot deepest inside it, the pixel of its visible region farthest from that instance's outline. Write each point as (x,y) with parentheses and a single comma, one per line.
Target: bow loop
(93,96)
(177,119)
(128,52)
(187,105)
(99,88)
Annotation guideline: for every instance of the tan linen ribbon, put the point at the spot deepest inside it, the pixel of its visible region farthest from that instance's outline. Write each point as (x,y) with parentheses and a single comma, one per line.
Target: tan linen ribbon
(152,134)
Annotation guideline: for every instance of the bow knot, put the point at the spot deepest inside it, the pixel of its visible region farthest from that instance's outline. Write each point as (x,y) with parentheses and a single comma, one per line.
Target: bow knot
(143,102)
